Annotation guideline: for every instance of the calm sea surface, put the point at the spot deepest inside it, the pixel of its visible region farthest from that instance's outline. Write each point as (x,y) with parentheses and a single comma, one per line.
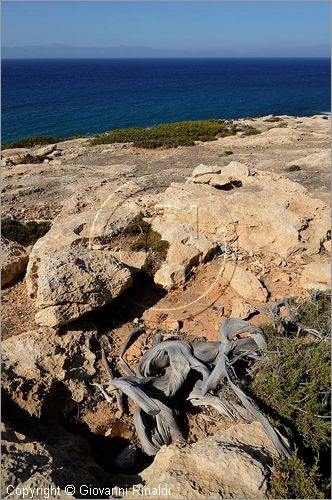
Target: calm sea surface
(67,97)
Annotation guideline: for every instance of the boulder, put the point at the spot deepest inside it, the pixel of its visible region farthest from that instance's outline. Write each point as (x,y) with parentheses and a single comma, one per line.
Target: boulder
(206,169)
(245,284)
(233,463)
(241,309)
(316,275)
(44,150)
(170,275)
(18,159)
(14,261)
(30,156)
(133,260)
(67,277)
(232,175)
(182,256)
(39,362)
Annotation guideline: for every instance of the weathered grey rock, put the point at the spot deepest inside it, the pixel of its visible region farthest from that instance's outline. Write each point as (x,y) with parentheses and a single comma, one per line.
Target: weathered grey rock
(38,361)
(68,277)
(14,261)
(234,463)
(241,309)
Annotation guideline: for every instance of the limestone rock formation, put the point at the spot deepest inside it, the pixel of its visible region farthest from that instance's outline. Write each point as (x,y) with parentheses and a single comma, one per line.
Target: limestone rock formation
(68,277)
(249,211)
(234,463)
(36,155)
(39,362)
(14,261)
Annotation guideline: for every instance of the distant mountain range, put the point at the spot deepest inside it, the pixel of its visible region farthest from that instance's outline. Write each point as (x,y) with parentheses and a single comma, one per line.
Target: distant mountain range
(68,51)
(62,51)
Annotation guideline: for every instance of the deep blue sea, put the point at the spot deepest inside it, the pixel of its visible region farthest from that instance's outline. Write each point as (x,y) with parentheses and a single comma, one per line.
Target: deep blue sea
(67,97)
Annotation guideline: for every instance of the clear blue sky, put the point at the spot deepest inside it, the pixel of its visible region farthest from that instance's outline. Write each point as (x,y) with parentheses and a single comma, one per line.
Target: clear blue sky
(228,29)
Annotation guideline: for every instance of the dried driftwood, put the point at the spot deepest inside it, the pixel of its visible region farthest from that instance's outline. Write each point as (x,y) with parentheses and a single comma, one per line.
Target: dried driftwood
(175,371)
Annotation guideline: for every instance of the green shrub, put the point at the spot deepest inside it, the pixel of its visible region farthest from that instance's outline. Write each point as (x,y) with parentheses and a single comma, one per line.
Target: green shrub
(167,135)
(147,240)
(316,312)
(33,159)
(294,479)
(24,233)
(292,386)
(282,125)
(29,142)
(228,153)
(295,384)
(294,168)
(251,131)
(273,119)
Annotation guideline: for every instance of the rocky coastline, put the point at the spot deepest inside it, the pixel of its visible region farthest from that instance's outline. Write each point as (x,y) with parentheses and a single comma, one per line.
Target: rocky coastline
(174,240)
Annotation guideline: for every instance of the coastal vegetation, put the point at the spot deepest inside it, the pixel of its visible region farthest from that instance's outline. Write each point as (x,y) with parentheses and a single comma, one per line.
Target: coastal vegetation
(292,386)
(273,119)
(26,233)
(38,140)
(145,239)
(30,142)
(294,479)
(294,168)
(168,135)
(251,131)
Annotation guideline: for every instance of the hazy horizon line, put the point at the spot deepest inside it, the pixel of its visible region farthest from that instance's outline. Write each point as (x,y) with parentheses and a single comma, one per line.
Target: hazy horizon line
(161,57)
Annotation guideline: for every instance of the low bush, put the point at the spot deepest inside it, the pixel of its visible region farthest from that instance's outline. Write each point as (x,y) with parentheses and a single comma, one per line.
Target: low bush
(34,159)
(29,142)
(251,131)
(273,119)
(147,240)
(294,479)
(23,233)
(294,168)
(167,135)
(228,153)
(292,387)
